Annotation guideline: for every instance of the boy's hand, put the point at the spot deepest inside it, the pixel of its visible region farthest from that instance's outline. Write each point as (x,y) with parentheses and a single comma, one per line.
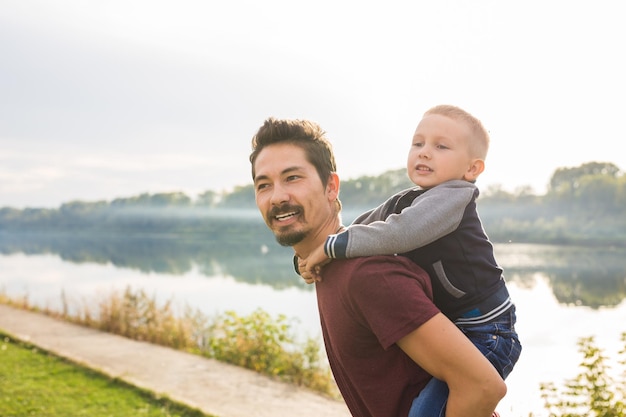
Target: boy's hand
(311,267)
(306,275)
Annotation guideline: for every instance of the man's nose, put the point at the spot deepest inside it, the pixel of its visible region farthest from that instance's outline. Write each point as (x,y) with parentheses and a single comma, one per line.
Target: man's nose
(279,195)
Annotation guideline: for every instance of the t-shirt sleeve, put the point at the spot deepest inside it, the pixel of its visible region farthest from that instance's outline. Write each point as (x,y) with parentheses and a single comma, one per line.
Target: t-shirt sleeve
(393,296)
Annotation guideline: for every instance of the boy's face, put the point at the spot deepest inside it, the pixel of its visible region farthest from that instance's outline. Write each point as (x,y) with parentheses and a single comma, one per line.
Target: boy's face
(290,195)
(440,152)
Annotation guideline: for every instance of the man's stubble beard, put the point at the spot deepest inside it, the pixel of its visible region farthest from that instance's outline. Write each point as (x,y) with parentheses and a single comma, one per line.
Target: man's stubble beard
(285,236)
(290,238)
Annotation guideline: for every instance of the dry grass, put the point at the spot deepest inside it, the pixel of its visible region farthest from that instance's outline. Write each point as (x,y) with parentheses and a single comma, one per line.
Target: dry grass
(258,341)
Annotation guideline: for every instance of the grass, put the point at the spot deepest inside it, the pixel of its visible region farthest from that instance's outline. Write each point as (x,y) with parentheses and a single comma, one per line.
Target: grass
(36,383)
(259,342)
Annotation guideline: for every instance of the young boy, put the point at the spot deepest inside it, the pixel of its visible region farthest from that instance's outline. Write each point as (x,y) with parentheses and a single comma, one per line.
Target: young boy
(437,226)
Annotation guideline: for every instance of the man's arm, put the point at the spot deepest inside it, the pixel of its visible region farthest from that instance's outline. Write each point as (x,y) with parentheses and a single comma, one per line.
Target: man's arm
(447,354)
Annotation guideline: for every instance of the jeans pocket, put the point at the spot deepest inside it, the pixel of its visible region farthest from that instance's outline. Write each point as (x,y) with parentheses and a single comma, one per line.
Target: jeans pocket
(501,347)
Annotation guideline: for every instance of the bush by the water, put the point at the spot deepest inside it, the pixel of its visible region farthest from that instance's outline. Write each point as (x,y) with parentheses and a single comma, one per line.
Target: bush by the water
(595,391)
(267,345)
(258,341)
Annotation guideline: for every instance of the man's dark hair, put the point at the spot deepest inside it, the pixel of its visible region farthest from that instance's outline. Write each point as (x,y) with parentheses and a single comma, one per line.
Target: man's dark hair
(303,133)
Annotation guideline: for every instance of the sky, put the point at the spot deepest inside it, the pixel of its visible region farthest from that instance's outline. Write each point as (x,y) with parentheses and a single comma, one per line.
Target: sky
(108,99)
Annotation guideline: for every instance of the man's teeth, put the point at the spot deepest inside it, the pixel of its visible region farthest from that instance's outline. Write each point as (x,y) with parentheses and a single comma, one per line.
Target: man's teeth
(281,217)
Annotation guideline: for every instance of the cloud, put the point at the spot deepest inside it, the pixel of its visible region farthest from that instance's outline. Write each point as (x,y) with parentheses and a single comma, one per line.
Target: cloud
(106,92)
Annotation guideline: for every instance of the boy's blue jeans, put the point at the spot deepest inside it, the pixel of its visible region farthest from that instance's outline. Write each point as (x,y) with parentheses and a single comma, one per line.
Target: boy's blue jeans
(497,340)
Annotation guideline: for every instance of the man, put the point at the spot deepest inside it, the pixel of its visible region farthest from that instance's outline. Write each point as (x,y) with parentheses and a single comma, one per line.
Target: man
(383,335)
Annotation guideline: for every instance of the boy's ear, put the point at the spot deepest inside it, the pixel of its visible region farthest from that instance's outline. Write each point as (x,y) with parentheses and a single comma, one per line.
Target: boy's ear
(475,169)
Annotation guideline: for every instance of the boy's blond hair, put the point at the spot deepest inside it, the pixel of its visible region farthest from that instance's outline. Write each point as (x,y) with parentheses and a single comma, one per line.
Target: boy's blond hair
(479,142)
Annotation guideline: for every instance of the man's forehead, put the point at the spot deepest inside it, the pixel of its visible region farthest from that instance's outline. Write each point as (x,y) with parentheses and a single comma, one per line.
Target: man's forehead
(280,158)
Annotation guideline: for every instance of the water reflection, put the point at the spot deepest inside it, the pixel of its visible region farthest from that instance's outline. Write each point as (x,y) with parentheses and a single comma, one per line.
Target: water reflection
(258,260)
(592,277)
(550,285)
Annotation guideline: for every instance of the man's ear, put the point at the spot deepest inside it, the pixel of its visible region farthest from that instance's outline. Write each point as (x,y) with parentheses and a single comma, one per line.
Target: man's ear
(332,187)
(475,169)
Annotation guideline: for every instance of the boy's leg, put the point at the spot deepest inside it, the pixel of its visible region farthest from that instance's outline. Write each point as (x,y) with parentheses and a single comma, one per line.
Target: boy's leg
(431,401)
(497,340)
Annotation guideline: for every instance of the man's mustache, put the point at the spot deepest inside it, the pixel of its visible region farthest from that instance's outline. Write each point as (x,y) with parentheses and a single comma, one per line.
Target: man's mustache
(282,209)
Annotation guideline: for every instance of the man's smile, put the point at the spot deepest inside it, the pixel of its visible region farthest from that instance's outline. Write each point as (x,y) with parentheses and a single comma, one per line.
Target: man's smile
(286,216)
(284,213)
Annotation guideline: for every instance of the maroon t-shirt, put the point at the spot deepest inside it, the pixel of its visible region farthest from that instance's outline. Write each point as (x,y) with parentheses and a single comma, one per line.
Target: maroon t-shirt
(366,305)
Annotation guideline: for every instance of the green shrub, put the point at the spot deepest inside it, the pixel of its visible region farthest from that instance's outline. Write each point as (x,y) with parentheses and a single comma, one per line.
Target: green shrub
(267,345)
(593,392)
(258,341)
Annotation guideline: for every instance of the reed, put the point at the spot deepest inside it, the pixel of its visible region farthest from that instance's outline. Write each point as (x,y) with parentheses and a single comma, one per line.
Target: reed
(258,341)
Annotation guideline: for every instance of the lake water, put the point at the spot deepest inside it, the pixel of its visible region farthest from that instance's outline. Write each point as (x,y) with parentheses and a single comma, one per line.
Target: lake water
(561,293)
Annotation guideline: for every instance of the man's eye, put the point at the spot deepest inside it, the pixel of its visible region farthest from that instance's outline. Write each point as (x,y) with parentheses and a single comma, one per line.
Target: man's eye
(260,187)
(292,177)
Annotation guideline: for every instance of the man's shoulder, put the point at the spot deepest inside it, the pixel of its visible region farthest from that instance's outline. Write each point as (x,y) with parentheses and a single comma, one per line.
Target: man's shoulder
(365,261)
(387,264)
(381,274)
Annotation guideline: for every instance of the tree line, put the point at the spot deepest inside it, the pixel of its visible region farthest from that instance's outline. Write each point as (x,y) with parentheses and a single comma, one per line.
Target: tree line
(582,205)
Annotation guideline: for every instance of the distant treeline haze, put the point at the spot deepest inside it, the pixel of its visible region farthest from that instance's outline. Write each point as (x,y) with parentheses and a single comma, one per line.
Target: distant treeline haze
(583,205)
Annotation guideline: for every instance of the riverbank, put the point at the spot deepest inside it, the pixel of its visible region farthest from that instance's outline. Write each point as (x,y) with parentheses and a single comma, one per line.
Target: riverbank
(213,387)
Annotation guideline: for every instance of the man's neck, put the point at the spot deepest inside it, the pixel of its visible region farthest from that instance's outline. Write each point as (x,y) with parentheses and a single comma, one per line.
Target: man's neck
(317,238)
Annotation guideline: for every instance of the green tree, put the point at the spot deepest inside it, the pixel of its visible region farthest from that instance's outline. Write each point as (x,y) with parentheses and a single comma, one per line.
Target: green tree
(82,207)
(241,197)
(173,199)
(565,181)
(134,201)
(620,193)
(370,191)
(208,198)
(597,193)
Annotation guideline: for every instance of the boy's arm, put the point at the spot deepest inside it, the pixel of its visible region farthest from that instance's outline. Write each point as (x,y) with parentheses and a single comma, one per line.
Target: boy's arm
(432,215)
